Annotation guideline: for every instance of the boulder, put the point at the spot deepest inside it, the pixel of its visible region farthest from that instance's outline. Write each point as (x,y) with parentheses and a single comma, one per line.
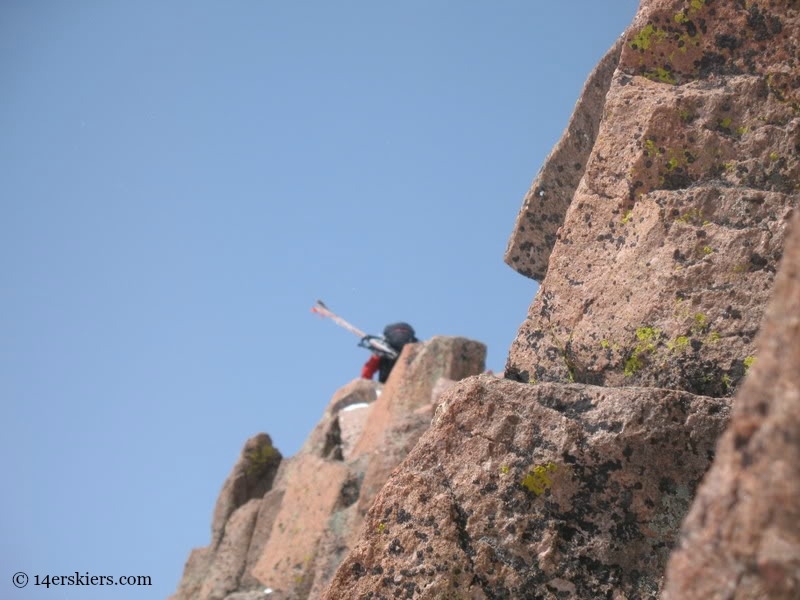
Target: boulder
(537,491)
(742,536)
(285,526)
(667,253)
(545,205)
(251,477)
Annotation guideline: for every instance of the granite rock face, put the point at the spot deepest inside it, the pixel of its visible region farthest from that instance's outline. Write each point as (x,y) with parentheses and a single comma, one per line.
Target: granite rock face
(546,203)
(537,491)
(741,539)
(285,525)
(215,570)
(656,226)
(666,256)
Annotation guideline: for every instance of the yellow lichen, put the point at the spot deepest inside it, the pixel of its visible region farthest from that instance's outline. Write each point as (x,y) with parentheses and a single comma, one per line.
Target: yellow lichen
(647,36)
(679,343)
(259,459)
(661,74)
(647,336)
(538,479)
(692,217)
(632,365)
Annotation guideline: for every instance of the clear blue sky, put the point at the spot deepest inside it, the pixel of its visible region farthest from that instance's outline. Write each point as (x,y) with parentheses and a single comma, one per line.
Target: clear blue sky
(180,181)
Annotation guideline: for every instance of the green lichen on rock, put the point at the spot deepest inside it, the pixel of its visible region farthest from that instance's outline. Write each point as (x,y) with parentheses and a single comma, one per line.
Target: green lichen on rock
(648,339)
(661,74)
(538,478)
(693,216)
(260,458)
(700,323)
(680,343)
(647,36)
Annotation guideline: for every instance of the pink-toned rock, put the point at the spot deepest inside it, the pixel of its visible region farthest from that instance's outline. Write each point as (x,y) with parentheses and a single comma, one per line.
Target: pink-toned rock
(546,203)
(291,538)
(268,510)
(411,383)
(741,539)
(327,440)
(194,574)
(213,572)
(224,572)
(440,387)
(657,225)
(313,489)
(536,491)
(668,250)
(251,477)
(395,423)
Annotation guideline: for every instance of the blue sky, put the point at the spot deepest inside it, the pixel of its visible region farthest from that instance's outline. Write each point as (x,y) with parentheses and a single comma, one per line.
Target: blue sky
(180,181)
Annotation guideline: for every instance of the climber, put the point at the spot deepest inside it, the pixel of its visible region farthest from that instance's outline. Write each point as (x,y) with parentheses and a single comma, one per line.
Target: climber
(396,335)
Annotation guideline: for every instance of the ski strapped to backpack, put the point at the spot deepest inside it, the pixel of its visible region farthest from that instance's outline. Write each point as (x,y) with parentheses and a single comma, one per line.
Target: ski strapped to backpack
(371,342)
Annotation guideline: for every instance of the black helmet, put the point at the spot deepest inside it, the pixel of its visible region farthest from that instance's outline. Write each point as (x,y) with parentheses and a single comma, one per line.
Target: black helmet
(399,334)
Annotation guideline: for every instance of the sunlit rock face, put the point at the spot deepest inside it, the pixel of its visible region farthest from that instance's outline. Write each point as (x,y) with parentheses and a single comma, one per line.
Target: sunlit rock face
(742,537)
(281,527)
(658,228)
(537,491)
(665,257)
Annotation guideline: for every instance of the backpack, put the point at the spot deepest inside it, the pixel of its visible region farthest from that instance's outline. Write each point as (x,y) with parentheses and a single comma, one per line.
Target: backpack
(398,335)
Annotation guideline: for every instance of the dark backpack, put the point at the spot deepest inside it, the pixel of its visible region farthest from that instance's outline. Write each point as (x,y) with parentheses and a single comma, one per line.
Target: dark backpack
(398,335)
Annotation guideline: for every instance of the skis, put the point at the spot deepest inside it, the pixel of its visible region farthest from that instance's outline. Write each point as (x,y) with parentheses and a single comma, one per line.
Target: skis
(371,342)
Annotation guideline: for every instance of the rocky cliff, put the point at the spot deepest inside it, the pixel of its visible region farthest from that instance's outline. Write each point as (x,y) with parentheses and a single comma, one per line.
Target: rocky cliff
(645,439)
(656,227)
(658,221)
(281,527)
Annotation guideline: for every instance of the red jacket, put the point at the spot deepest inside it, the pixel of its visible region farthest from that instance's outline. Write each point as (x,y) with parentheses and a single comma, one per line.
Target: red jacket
(372,365)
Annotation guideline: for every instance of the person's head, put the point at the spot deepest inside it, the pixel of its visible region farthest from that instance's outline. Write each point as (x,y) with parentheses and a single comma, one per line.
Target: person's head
(399,334)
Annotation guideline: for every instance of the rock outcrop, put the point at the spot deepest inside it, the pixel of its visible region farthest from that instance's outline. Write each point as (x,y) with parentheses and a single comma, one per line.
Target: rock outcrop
(656,227)
(666,254)
(213,571)
(546,203)
(742,537)
(536,491)
(283,526)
